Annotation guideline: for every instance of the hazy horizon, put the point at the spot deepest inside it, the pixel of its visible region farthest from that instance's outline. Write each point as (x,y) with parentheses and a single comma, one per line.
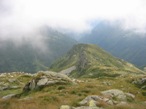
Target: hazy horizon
(21,17)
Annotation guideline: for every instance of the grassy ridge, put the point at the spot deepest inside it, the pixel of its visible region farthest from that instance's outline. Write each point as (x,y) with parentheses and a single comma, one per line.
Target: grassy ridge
(92,61)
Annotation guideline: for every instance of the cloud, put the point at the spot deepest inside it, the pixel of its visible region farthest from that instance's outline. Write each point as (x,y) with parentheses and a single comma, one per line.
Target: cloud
(24,16)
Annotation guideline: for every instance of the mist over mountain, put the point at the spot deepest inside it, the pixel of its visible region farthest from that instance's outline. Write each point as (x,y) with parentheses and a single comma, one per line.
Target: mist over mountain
(127,44)
(35,54)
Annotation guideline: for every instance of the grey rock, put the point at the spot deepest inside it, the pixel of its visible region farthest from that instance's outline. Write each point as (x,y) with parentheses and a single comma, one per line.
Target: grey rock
(140,81)
(110,102)
(46,78)
(27,98)
(143,87)
(87,107)
(51,82)
(122,103)
(11,80)
(42,82)
(8,96)
(32,85)
(4,88)
(115,93)
(129,95)
(65,107)
(14,87)
(89,98)
(92,103)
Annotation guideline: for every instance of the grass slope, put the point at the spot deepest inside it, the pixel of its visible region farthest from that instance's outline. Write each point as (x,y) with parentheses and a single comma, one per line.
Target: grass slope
(92,61)
(53,97)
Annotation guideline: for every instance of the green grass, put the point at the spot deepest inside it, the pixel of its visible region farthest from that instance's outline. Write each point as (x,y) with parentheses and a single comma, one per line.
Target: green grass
(55,96)
(92,61)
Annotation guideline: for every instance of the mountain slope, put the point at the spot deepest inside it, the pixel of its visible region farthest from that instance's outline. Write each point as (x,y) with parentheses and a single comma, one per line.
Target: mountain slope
(32,55)
(125,44)
(92,61)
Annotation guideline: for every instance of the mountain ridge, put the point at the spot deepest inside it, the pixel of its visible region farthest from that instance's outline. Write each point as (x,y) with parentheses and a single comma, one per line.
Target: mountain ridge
(91,61)
(125,44)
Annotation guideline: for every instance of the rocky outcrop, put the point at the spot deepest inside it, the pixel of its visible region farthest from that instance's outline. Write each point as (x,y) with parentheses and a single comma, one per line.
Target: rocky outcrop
(8,96)
(90,98)
(108,97)
(140,82)
(87,107)
(81,107)
(116,94)
(13,80)
(46,78)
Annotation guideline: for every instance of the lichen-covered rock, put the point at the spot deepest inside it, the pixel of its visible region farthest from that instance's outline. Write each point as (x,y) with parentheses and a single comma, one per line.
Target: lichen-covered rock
(87,107)
(109,97)
(89,98)
(8,96)
(116,94)
(92,103)
(140,82)
(42,82)
(46,78)
(65,107)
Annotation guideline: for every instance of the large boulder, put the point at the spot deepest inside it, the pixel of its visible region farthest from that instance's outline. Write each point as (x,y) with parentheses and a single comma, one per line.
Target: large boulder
(108,97)
(115,94)
(46,78)
(118,95)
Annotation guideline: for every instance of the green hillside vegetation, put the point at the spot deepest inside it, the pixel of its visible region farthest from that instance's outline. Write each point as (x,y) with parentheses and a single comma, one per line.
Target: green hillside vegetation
(92,61)
(52,97)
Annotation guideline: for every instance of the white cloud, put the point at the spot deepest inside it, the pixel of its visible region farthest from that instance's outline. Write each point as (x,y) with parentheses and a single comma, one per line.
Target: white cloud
(75,15)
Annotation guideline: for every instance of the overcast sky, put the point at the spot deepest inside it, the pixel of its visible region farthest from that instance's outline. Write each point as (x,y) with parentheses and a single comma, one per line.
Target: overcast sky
(22,16)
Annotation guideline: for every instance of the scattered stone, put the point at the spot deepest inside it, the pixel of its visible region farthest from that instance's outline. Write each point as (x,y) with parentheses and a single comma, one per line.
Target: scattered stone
(87,107)
(143,87)
(116,94)
(26,98)
(140,81)
(8,96)
(106,83)
(122,103)
(129,95)
(110,102)
(65,107)
(4,88)
(11,80)
(92,103)
(89,98)
(14,87)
